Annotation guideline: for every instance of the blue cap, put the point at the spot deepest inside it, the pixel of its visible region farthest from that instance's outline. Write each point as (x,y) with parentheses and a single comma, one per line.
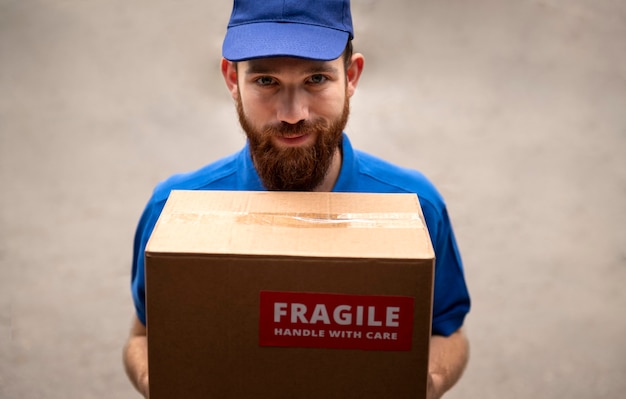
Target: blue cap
(313,29)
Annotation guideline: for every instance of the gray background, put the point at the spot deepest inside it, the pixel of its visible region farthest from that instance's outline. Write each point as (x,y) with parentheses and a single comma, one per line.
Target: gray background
(515,109)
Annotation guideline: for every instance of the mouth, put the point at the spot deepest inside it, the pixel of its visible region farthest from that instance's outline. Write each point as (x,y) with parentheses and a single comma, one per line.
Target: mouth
(293,140)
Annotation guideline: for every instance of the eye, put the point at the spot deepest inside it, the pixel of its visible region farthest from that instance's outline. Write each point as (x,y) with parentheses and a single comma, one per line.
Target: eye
(318,79)
(265,81)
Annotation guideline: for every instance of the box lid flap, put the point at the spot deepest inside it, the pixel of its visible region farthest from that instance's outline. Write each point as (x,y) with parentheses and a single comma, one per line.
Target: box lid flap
(355,225)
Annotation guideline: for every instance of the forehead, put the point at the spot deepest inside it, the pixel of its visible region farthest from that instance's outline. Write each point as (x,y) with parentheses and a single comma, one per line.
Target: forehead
(289,65)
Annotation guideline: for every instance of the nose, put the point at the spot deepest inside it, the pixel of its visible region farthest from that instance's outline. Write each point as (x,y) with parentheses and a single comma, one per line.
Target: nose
(292,106)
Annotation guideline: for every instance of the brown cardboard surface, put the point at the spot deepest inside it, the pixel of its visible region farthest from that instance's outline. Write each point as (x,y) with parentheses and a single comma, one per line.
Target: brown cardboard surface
(212,253)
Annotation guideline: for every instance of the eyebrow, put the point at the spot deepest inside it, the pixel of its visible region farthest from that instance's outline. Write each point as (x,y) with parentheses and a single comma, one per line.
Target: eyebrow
(318,67)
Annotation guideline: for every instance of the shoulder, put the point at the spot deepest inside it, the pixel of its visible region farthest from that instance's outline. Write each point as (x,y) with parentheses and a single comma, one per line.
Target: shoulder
(216,175)
(221,174)
(380,175)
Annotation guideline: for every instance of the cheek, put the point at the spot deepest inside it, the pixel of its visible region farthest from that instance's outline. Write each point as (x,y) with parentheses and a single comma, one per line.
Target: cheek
(255,108)
(331,105)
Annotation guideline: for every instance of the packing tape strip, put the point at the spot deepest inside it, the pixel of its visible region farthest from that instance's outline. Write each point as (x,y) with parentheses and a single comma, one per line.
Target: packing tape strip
(301,220)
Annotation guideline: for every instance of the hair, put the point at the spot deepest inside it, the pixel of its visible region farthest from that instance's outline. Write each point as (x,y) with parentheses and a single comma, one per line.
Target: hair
(347,54)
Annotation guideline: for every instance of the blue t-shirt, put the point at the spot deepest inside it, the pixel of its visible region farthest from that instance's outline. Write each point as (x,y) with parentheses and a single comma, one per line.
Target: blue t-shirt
(360,172)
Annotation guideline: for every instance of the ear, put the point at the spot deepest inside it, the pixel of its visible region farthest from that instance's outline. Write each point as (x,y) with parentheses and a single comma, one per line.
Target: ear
(229,71)
(353,72)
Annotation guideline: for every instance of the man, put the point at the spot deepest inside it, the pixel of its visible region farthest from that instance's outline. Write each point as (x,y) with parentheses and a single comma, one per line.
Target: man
(290,69)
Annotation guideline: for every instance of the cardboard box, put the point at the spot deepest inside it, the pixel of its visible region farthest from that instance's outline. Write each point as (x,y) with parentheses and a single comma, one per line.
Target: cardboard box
(289,295)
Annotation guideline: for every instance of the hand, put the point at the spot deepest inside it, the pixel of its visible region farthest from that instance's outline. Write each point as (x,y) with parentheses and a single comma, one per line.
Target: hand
(448,358)
(135,356)
(434,386)
(144,386)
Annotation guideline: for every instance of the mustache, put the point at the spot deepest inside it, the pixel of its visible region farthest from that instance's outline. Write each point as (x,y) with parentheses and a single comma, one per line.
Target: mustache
(284,129)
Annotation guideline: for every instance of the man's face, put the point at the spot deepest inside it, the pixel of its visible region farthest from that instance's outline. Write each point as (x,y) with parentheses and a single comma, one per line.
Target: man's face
(293,112)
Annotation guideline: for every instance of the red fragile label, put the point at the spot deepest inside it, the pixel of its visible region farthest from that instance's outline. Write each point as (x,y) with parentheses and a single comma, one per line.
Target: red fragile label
(338,321)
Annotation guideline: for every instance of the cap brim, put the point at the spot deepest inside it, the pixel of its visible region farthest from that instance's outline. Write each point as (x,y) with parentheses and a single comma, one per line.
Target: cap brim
(278,39)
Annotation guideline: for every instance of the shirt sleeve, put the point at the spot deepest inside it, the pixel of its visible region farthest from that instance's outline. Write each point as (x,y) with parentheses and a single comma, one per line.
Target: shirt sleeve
(451,297)
(145,226)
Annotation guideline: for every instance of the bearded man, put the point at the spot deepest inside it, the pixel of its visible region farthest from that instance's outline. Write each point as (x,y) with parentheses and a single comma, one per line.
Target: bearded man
(291,70)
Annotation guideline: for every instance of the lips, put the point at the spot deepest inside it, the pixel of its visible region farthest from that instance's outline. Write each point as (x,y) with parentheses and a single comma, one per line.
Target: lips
(293,139)
(293,135)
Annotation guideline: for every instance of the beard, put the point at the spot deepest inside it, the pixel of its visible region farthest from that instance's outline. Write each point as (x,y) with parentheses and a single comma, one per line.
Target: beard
(300,168)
